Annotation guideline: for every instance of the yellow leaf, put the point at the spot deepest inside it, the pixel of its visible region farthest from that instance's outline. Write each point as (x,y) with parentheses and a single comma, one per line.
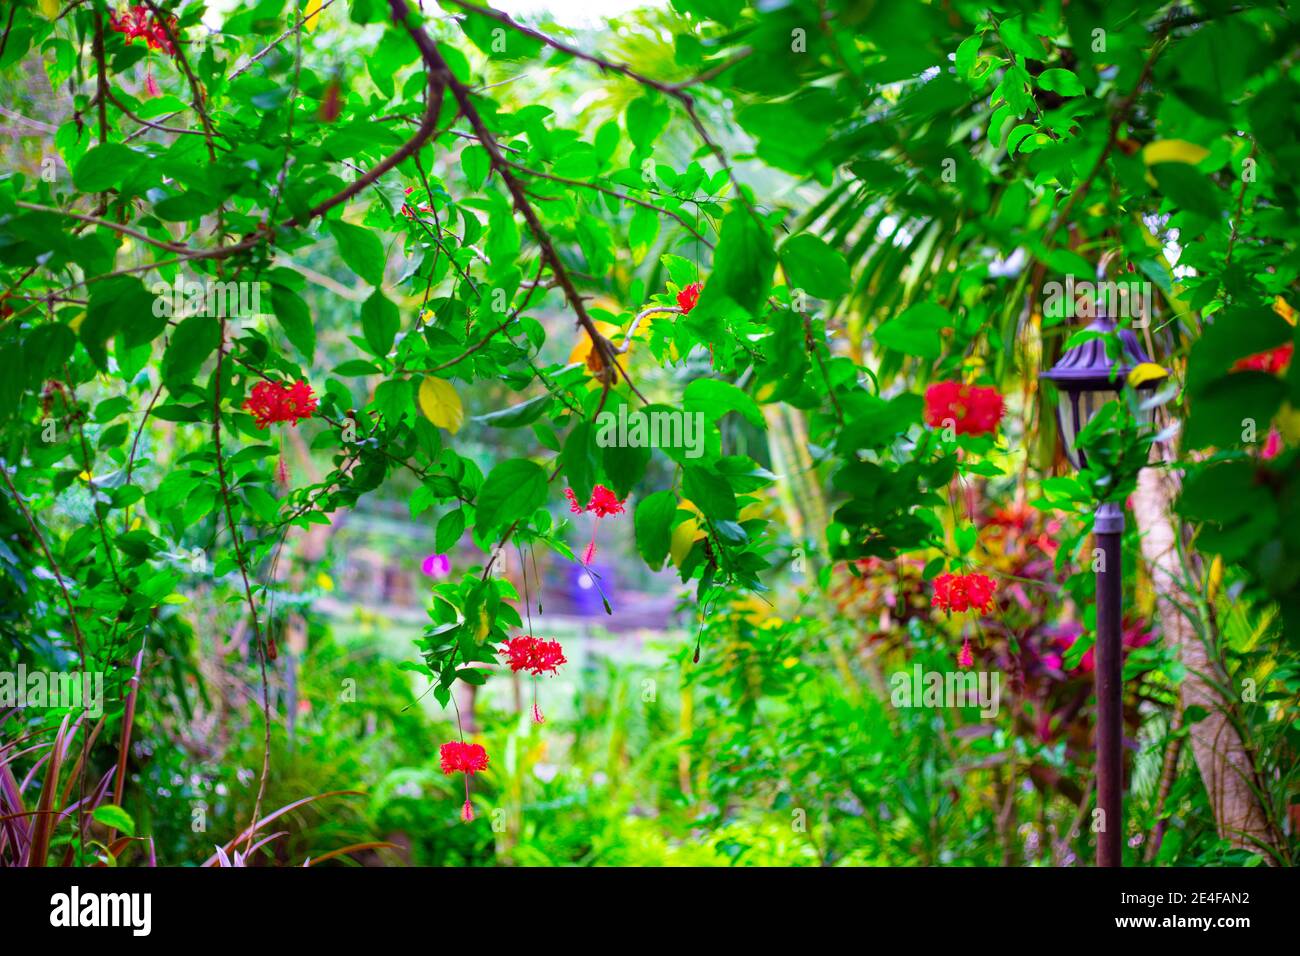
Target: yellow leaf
(583,349)
(1173,151)
(311,15)
(324,581)
(75,323)
(50,8)
(1283,308)
(440,404)
(1216,577)
(1146,372)
(1288,423)
(685,534)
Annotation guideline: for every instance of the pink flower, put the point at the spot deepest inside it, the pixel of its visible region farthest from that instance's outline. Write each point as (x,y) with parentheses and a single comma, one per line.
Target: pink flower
(1272,445)
(436,565)
(965,658)
(467,811)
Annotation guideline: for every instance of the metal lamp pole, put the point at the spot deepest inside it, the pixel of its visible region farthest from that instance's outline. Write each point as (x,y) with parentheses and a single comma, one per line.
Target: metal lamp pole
(1085,377)
(1108,527)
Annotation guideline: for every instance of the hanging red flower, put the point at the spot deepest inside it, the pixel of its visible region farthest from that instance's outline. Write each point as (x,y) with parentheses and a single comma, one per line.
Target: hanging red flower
(460,757)
(534,655)
(276,402)
(688,297)
(1274,361)
(603,503)
(137,23)
(962,592)
(972,409)
(965,658)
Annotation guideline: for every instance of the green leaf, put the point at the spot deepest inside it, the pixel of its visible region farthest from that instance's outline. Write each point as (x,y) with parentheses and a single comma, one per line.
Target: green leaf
(916,331)
(653,520)
(191,343)
(710,492)
(579,460)
(516,416)
(361,250)
(814,266)
(646,118)
(512,491)
(450,527)
(115,818)
(714,398)
(742,265)
(105,166)
(379,323)
(1188,188)
(295,319)
(1060,81)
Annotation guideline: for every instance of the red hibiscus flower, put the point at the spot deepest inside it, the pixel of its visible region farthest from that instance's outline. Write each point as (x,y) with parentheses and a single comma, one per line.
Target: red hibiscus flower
(603,503)
(688,297)
(534,654)
(276,402)
(972,409)
(537,657)
(460,757)
(1273,361)
(137,23)
(963,592)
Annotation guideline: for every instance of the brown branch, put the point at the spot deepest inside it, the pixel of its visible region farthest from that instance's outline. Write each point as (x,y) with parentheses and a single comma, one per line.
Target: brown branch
(243,572)
(609,192)
(196,90)
(437,67)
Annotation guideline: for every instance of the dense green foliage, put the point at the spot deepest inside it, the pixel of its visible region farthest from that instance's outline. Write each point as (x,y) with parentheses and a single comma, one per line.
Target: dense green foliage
(469,236)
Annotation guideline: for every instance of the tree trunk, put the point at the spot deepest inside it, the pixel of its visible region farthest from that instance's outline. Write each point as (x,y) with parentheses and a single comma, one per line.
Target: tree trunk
(1221,754)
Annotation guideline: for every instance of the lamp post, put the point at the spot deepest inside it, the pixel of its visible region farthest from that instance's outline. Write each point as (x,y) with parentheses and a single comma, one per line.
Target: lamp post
(1087,378)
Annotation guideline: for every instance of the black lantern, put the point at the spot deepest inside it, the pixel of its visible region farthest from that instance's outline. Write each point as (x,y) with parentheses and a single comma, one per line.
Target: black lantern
(1087,378)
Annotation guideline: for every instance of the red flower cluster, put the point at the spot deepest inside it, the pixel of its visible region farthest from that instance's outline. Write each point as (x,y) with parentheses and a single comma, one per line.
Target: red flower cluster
(688,297)
(534,654)
(974,409)
(962,592)
(275,402)
(458,757)
(138,23)
(603,502)
(1273,361)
